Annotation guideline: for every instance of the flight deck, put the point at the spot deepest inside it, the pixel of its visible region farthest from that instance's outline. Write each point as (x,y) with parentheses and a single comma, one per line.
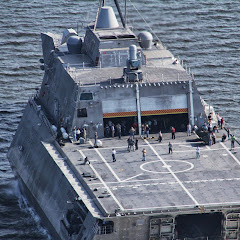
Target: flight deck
(164,182)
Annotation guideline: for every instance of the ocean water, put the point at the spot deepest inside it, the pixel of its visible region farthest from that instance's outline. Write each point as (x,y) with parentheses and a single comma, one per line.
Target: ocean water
(204,34)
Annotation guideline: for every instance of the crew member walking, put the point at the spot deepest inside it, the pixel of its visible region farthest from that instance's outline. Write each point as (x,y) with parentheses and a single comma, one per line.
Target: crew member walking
(170,148)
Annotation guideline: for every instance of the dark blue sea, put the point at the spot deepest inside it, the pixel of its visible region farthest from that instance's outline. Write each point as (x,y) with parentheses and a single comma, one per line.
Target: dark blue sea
(204,34)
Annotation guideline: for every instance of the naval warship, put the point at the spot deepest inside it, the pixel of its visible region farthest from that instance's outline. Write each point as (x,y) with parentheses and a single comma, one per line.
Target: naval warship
(79,168)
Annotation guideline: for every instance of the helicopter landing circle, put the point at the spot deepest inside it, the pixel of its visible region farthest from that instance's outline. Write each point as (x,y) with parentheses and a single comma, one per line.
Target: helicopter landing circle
(170,166)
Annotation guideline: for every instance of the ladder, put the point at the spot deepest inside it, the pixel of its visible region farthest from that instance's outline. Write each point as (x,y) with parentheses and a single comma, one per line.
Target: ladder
(231,226)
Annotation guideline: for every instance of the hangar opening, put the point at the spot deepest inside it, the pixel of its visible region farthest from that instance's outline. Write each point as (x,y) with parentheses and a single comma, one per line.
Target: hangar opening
(157,123)
(125,122)
(165,122)
(199,226)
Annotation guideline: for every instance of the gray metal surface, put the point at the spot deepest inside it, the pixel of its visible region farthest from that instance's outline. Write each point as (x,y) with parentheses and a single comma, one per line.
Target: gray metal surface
(165,181)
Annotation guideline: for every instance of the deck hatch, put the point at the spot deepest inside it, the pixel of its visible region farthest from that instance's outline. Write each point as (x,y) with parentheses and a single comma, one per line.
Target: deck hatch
(194,226)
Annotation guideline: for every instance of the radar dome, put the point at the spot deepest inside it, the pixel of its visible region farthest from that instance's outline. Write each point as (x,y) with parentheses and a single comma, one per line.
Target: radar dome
(107,18)
(145,40)
(74,44)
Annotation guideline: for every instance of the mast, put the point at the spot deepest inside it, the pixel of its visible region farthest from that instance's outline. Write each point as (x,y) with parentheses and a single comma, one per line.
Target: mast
(101,2)
(120,13)
(125,17)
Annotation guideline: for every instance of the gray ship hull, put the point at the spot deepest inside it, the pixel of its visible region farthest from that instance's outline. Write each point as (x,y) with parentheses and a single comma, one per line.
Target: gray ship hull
(100,183)
(53,194)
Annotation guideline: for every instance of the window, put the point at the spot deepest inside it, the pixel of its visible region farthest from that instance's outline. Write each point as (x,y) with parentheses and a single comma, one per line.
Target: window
(86,96)
(126,36)
(108,37)
(82,112)
(105,227)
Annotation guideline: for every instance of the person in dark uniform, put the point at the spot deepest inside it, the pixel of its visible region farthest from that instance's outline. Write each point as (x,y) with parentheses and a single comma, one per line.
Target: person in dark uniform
(86,161)
(160,136)
(113,155)
(136,144)
(170,148)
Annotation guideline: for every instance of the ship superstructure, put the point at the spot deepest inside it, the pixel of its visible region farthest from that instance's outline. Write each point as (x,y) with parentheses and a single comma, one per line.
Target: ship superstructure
(112,76)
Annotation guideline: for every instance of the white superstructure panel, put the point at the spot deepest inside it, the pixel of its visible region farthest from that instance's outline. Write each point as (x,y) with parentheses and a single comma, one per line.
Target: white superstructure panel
(119,105)
(163,102)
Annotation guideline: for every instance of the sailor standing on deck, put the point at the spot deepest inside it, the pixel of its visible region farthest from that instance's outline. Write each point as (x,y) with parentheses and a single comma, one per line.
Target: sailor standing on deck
(95,138)
(173,133)
(131,131)
(85,134)
(198,152)
(222,122)
(160,136)
(189,129)
(113,155)
(219,120)
(136,144)
(74,134)
(147,129)
(78,132)
(232,141)
(144,154)
(170,148)
(119,130)
(113,130)
(228,133)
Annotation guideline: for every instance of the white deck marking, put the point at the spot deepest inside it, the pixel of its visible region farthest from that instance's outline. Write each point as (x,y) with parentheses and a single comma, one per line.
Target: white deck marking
(167,166)
(104,160)
(183,206)
(143,180)
(194,150)
(140,145)
(173,174)
(164,183)
(94,160)
(220,203)
(132,177)
(237,161)
(110,192)
(181,145)
(163,207)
